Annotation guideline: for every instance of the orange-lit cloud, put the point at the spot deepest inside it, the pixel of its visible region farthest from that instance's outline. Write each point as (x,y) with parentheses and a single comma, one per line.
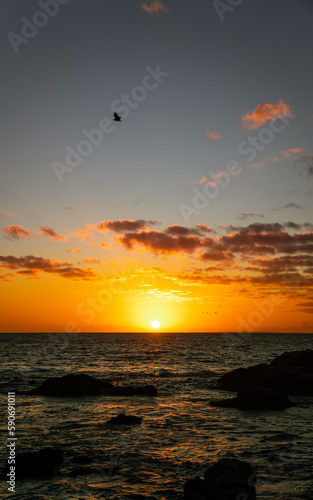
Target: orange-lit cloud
(84,233)
(39,264)
(71,209)
(288,152)
(214,136)
(255,165)
(90,260)
(74,250)
(16,232)
(264,112)
(119,226)
(201,181)
(6,214)
(255,239)
(50,232)
(205,180)
(155,7)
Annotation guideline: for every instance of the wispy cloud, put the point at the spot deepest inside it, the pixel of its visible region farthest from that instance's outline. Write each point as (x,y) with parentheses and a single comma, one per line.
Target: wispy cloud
(288,152)
(50,232)
(307,160)
(256,165)
(155,7)
(214,136)
(16,232)
(74,250)
(71,209)
(83,233)
(264,112)
(205,180)
(249,215)
(90,260)
(289,205)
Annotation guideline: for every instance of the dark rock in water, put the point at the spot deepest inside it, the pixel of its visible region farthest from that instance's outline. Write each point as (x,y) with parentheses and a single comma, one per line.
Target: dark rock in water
(82,459)
(37,464)
(87,471)
(85,385)
(290,373)
(123,419)
(251,397)
(228,479)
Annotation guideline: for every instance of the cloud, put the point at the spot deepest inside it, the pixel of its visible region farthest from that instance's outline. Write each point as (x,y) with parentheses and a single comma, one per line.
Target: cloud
(50,232)
(90,260)
(7,214)
(71,209)
(308,164)
(289,205)
(74,250)
(154,8)
(254,239)
(288,152)
(119,226)
(255,165)
(84,233)
(201,181)
(52,266)
(158,242)
(205,180)
(16,232)
(248,215)
(264,112)
(10,214)
(214,136)
(138,201)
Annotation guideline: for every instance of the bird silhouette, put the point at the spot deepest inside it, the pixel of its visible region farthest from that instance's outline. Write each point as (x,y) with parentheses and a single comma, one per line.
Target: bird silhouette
(117,117)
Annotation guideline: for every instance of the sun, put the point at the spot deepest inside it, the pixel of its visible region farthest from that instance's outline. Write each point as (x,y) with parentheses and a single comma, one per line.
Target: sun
(155,323)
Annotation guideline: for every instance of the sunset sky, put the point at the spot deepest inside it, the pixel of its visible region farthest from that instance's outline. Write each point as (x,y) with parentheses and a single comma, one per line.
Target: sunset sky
(196,210)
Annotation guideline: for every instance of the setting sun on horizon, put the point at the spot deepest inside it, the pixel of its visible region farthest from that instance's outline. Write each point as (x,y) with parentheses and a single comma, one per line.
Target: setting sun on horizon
(155,324)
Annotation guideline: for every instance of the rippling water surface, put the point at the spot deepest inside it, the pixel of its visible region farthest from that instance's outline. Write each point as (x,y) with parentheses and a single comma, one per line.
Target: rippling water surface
(180,435)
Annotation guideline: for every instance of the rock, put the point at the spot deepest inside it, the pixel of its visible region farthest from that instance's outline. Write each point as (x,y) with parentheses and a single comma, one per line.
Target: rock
(290,373)
(123,419)
(251,397)
(85,385)
(228,479)
(82,459)
(37,464)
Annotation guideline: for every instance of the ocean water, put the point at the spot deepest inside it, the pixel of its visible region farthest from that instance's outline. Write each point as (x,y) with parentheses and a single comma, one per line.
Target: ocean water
(181,433)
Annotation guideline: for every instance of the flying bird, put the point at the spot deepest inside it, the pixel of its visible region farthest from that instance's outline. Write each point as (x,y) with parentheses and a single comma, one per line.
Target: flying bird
(117,117)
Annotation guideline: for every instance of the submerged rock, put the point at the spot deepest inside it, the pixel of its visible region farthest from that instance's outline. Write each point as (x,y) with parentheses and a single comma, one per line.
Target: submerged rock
(251,397)
(290,373)
(228,479)
(85,385)
(37,464)
(123,419)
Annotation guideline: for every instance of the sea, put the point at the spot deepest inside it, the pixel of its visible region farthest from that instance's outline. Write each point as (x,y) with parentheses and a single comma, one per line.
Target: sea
(181,434)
